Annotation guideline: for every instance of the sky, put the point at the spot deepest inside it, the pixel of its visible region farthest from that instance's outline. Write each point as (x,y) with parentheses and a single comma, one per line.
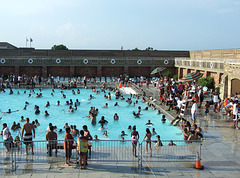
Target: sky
(112,24)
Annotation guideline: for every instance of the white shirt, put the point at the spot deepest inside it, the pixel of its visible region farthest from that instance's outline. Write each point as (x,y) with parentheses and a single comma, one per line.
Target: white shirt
(235,109)
(5,133)
(179,103)
(194,108)
(215,98)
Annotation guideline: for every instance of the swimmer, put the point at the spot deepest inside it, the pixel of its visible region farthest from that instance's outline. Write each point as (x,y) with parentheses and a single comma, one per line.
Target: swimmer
(78,91)
(116,117)
(53,90)
(18,92)
(95,137)
(146,109)
(139,110)
(130,128)
(37,111)
(159,112)
(73,92)
(102,127)
(37,123)
(171,143)
(105,106)
(26,102)
(25,107)
(103,121)
(153,131)
(133,105)
(77,103)
(10,111)
(48,104)
(116,104)
(105,133)
(159,142)
(70,102)
(34,125)
(70,109)
(109,96)
(135,115)
(60,131)
(46,113)
(66,126)
(22,119)
(149,123)
(163,119)
(122,139)
(90,98)
(123,134)
(52,94)
(64,96)
(58,103)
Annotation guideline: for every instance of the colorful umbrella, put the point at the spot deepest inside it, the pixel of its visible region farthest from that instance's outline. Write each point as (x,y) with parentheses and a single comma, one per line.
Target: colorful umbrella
(191,77)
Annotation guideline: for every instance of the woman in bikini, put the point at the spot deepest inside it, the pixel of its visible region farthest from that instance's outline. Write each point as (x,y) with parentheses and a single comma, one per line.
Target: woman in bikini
(148,136)
(134,138)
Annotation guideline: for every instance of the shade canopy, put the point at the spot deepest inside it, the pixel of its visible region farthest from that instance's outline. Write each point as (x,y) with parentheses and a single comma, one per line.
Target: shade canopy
(191,77)
(157,70)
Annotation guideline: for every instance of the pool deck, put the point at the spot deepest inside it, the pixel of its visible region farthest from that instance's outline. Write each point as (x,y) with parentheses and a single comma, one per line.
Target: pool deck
(220,157)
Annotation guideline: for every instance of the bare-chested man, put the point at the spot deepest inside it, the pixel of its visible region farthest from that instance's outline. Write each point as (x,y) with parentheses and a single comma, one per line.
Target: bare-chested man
(51,137)
(28,128)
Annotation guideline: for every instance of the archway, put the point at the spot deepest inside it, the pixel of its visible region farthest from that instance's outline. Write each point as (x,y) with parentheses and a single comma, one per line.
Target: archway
(235,86)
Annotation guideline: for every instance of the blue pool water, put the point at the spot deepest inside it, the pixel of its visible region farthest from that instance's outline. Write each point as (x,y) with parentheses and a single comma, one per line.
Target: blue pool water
(59,115)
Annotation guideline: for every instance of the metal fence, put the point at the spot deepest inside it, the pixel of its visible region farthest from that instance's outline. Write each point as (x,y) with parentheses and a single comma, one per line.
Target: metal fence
(6,159)
(41,153)
(180,151)
(100,151)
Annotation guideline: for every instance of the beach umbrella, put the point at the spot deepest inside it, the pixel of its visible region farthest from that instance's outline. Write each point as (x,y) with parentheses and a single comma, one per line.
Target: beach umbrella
(158,70)
(191,77)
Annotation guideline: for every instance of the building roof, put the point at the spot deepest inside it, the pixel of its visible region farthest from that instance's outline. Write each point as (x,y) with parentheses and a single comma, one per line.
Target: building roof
(6,45)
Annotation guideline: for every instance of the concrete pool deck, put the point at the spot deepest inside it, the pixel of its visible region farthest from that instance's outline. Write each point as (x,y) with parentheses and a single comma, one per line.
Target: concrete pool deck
(220,157)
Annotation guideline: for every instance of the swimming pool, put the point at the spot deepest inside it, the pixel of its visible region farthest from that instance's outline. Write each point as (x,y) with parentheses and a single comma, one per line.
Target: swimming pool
(59,115)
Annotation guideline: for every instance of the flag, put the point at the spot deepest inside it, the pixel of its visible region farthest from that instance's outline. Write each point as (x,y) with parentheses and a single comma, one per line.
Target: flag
(31,40)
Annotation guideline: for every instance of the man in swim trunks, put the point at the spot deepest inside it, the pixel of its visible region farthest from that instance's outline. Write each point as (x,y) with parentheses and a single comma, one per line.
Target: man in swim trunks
(28,128)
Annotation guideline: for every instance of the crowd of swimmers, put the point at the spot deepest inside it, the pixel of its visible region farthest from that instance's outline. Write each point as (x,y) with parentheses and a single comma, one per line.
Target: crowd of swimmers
(190,132)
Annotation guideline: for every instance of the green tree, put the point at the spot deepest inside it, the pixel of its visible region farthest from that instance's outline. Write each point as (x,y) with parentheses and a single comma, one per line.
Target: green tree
(208,82)
(167,74)
(149,49)
(59,47)
(175,77)
(135,49)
